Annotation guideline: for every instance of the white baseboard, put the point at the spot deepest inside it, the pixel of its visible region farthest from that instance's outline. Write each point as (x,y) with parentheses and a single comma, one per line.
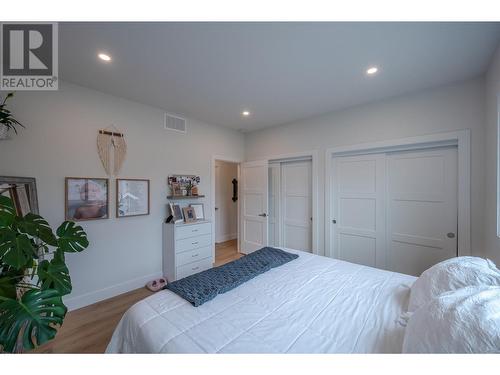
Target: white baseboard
(226,237)
(86,299)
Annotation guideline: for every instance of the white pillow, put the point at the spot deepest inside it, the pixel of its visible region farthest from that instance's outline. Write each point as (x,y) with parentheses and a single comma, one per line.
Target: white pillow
(452,274)
(466,320)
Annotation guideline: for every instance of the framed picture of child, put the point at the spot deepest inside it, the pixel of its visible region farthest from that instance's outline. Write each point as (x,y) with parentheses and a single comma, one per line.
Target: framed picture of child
(86,198)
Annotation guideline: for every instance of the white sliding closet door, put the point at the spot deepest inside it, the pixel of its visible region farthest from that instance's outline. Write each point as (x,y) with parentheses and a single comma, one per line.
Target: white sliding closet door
(422,209)
(296,210)
(254,206)
(396,210)
(359,209)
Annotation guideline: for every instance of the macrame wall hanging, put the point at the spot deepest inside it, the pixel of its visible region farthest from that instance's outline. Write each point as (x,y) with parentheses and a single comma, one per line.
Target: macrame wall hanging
(107,139)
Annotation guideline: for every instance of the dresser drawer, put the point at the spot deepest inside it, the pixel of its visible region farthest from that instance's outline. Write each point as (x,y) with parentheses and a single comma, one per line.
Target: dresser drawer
(192,268)
(193,243)
(193,255)
(187,231)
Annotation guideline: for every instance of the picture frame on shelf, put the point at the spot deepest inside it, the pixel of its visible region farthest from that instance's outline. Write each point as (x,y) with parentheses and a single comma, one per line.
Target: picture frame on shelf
(176,212)
(176,189)
(132,197)
(189,214)
(198,210)
(86,198)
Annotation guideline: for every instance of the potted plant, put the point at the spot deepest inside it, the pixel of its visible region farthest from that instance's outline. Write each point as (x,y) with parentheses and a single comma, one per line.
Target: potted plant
(7,122)
(31,285)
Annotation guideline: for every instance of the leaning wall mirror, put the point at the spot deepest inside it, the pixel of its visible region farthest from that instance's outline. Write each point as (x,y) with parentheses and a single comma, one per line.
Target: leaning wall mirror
(22,191)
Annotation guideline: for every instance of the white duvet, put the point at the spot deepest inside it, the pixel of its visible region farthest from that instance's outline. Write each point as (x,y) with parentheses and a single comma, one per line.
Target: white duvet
(312,304)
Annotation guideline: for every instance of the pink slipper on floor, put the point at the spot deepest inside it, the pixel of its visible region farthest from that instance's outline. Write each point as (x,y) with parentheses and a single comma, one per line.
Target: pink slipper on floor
(156,285)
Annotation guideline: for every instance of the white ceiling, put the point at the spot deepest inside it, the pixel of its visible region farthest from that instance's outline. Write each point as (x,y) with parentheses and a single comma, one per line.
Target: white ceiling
(281,72)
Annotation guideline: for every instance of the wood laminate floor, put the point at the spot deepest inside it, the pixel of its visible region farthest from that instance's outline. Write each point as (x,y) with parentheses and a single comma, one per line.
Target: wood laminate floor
(89,329)
(226,252)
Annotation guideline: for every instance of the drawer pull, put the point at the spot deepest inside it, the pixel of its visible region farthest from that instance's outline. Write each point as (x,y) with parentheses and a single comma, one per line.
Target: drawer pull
(195,268)
(194,243)
(195,230)
(194,255)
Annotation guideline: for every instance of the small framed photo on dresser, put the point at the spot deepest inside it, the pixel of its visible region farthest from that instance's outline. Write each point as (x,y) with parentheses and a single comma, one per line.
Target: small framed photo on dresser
(132,197)
(198,210)
(189,214)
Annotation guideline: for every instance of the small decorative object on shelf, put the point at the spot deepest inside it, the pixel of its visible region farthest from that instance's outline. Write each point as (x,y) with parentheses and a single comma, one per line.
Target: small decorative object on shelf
(183,185)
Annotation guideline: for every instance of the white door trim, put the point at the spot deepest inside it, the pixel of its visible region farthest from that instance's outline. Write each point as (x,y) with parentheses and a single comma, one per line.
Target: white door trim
(313,154)
(460,138)
(212,197)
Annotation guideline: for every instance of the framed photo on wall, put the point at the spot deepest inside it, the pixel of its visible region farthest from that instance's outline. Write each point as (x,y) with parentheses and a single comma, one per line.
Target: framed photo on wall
(132,197)
(86,198)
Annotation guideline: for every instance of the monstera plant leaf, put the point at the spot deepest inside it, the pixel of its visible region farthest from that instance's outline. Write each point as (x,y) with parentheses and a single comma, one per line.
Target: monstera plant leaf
(36,315)
(7,287)
(72,237)
(7,212)
(15,249)
(37,226)
(54,275)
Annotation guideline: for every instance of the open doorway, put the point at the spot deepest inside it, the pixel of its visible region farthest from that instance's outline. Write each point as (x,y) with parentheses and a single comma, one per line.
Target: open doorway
(226,212)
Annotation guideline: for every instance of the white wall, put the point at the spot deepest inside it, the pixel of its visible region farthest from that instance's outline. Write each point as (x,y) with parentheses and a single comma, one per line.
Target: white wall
(60,140)
(455,107)
(492,242)
(227,225)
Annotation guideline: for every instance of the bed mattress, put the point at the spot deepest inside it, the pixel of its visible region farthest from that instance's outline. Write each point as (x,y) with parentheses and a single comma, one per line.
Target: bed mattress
(312,304)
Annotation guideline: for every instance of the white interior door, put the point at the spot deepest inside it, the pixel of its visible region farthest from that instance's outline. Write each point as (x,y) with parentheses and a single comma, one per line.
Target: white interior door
(295,207)
(422,209)
(358,226)
(218,210)
(274,207)
(254,205)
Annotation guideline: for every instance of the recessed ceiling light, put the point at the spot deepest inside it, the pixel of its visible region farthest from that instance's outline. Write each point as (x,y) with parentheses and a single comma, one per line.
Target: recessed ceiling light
(371,70)
(104,57)
(245,113)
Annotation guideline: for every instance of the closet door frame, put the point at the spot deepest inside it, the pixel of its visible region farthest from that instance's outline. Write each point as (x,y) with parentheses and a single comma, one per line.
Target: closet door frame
(460,138)
(313,155)
(280,197)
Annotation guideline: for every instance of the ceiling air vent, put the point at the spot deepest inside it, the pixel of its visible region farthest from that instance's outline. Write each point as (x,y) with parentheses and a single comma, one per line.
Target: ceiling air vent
(175,123)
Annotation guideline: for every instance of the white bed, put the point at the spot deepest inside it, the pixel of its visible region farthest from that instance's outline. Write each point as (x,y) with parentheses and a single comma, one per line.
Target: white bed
(310,305)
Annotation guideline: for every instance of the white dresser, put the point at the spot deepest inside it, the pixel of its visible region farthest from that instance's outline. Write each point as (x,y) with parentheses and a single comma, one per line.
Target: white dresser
(187,249)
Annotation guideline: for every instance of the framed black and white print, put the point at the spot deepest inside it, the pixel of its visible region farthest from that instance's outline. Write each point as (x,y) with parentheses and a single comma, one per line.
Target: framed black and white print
(132,197)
